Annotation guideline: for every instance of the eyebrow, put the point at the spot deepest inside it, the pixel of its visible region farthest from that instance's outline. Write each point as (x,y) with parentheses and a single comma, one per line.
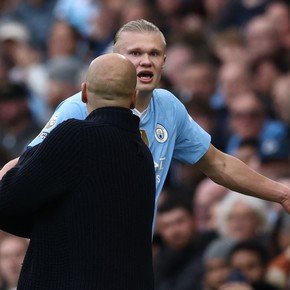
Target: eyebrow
(141,49)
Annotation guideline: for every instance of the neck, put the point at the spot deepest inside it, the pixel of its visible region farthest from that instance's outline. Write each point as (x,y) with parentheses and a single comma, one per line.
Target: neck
(143,100)
(107,103)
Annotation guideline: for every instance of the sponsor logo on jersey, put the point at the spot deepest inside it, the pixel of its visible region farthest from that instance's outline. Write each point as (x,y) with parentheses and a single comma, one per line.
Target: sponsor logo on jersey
(159,168)
(161,134)
(51,122)
(156,165)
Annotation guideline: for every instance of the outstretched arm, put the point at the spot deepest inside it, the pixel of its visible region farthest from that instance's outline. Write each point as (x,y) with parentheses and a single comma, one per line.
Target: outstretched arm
(232,173)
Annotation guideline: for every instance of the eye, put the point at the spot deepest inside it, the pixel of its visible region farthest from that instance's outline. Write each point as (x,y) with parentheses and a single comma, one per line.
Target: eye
(155,53)
(134,53)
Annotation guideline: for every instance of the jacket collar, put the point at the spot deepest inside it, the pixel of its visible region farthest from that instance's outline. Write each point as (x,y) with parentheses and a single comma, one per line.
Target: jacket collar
(118,116)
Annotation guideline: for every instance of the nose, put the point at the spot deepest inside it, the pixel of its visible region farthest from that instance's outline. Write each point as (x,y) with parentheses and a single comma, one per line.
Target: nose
(145,60)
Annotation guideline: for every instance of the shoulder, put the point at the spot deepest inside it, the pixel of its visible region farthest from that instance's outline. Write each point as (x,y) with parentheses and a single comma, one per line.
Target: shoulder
(70,125)
(69,129)
(167,101)
(164,96)
(72,106)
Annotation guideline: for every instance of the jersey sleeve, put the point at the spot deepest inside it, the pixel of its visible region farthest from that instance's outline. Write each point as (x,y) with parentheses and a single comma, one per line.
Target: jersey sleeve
(192,142)
(66,110)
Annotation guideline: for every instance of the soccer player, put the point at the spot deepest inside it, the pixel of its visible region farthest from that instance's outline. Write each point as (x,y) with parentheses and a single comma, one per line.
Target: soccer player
(165,124)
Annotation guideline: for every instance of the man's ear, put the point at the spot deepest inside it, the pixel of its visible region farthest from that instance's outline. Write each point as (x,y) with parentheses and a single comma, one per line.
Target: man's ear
(134,99)
(164,60)
(84,93)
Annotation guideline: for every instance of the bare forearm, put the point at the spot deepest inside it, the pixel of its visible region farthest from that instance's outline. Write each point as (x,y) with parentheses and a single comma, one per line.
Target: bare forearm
(235,175)
(8,166)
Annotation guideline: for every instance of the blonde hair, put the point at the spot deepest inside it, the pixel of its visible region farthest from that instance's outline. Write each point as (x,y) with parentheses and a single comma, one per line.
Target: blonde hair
(140,25)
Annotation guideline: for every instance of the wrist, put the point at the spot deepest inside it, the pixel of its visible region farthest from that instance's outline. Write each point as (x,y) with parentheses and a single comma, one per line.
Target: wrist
(284,197)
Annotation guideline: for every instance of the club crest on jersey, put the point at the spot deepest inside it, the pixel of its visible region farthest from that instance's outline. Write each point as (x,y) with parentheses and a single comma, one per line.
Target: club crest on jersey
(51,122)
(161,134)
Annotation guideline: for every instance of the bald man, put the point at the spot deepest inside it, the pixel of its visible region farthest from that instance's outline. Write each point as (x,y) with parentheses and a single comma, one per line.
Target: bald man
(89,188)
(111,81)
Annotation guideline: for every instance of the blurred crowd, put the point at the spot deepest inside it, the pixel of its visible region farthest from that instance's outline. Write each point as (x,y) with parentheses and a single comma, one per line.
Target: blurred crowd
(228,61)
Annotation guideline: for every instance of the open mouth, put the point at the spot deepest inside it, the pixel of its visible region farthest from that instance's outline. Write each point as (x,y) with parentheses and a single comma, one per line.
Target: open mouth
(145,76)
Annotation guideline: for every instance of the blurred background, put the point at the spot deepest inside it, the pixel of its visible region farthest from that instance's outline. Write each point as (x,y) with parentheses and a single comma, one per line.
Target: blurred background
(228,61)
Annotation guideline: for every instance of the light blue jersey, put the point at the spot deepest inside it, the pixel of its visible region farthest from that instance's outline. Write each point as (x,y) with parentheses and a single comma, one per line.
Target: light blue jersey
(165,126)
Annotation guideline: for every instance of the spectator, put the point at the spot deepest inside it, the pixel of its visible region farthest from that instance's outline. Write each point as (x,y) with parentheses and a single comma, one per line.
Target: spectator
(78,13)
(237,13)
(23,63)
(213,8)
(178,56)
(208,117)
(63,41)
(262,39)
(281,98)
(216,270)
(104,27)
(229,46)
(278,272)
(29,69)
(13,34)
(278,13)
(248,120)
(234,78)
(207,195)
(37,16)
(178,264)
(171,13)
(248,153)
(243,217)
(198,80)
(200,110)
(265,72)
(17,125)
(136,9)
(12,252)
(64,78)
(249,259)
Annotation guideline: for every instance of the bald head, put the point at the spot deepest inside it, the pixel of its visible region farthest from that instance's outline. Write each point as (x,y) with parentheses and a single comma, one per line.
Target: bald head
(111,81)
